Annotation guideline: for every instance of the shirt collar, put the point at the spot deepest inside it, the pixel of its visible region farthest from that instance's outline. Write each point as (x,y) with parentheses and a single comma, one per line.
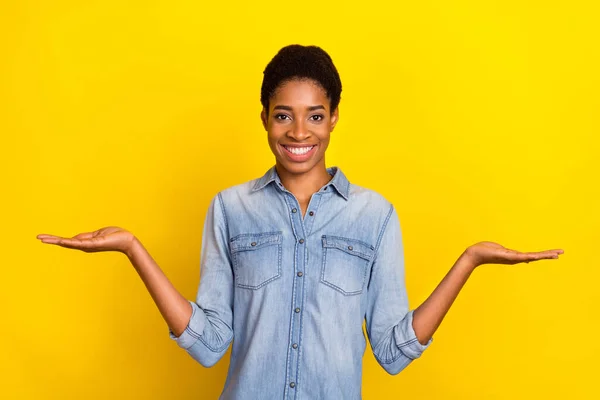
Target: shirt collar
(339,181)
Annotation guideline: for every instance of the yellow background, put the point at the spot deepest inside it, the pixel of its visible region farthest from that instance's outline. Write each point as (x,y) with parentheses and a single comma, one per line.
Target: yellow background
(479,120)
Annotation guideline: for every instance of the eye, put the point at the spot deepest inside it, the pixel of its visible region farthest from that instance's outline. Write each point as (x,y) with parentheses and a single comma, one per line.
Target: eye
(281,117)
(316,117)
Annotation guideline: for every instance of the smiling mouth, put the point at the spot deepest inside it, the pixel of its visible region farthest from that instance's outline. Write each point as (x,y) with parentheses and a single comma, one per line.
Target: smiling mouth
(299,151)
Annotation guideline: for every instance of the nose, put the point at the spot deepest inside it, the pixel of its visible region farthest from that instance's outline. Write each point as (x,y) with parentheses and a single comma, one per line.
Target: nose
(299,131)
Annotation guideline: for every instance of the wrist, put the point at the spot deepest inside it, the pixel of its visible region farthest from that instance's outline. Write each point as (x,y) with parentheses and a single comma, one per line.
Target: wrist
(133,247)
(467,261)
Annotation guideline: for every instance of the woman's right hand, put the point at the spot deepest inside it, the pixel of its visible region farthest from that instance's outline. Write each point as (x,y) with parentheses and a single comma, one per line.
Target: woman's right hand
(111,238)
(175,309)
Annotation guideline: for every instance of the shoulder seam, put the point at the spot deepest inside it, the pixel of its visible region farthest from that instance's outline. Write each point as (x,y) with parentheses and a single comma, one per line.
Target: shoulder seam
(387,218)
(222,206)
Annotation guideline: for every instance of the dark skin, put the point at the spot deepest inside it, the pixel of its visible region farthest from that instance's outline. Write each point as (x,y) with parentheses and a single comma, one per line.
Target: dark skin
(299,115)
(298,118)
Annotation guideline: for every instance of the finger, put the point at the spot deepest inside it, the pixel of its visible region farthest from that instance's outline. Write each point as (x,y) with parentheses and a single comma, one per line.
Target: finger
(549,256)
(78,243)
(550,253)
(68,243)
(535,256)
(523,257)
(44,235)
(546,252)
(51,239)
(85,235)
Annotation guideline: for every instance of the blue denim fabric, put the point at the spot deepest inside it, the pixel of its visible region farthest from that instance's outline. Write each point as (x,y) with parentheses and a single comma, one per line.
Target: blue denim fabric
(291,293)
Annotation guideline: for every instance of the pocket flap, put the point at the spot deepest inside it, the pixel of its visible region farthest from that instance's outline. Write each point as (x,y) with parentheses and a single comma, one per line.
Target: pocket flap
(252,241)
(350,246)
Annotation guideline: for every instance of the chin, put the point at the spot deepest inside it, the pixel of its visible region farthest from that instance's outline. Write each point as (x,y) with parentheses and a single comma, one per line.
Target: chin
(298,168)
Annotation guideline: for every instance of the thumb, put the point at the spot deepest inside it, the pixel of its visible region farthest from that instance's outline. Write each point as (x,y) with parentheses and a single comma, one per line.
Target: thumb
(85,235)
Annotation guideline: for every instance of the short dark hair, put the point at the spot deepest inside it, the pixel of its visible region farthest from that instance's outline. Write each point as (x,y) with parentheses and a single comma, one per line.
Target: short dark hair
(301,62)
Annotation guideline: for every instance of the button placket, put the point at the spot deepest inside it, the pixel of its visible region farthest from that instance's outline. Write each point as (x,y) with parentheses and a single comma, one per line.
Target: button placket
(299,257)
(311,215)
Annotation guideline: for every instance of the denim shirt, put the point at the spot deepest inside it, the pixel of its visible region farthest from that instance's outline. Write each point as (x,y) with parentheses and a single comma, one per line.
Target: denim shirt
(291,292)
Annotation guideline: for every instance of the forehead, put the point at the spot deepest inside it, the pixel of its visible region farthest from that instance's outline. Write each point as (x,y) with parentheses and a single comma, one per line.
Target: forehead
(300,92)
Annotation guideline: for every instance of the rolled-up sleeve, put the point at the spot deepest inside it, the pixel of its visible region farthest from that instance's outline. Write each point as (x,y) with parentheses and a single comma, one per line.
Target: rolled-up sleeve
(209,331)
(388,318)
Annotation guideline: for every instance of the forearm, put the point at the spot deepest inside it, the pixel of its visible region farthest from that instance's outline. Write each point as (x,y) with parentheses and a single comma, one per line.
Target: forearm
(429,315)
(175,309)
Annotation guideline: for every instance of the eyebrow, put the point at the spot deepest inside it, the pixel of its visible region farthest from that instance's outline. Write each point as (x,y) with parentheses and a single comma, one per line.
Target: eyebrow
(288,108)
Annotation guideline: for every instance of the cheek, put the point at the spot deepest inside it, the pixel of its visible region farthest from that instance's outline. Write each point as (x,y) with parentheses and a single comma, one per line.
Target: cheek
(324,136)
(272,135)
(272,139)
(276,131)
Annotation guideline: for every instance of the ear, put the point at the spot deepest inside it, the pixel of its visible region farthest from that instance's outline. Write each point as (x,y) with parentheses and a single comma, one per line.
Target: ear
(334,118)
(263,118)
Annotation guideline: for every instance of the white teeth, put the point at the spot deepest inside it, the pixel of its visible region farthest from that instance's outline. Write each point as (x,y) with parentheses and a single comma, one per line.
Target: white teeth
(299,150)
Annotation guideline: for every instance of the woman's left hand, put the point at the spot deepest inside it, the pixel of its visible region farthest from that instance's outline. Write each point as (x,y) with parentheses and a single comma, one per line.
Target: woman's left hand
(494,253)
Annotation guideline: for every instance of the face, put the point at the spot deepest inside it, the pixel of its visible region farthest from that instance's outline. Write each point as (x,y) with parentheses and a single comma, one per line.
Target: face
(299,123)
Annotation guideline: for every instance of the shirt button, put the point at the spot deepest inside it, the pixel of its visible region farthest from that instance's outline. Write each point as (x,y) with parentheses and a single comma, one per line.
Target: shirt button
(253,244)
(311,213)
(294,210)
(295,345)
(292,385)
(297,310)
(299,274)
(301,241)
(350,248)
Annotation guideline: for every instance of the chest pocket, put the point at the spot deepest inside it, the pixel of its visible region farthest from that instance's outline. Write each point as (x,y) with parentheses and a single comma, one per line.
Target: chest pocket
(256,258)
(345,264)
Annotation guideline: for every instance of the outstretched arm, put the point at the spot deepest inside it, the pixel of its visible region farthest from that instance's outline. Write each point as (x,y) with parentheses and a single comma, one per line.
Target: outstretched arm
(174,308)
(204,327)
(399,335)
(429,315)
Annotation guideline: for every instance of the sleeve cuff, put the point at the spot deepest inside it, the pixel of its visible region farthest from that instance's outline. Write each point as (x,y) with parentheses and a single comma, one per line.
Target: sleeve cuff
(406,338)
(193,330)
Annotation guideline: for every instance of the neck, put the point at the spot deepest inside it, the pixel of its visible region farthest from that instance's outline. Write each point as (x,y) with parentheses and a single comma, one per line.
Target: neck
(304,185)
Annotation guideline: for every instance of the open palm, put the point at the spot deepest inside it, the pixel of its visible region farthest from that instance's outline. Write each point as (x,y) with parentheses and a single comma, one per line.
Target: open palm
(494,253)
(111,238)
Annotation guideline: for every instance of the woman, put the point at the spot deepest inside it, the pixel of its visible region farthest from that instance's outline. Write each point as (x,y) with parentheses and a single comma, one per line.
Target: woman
(294,262)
